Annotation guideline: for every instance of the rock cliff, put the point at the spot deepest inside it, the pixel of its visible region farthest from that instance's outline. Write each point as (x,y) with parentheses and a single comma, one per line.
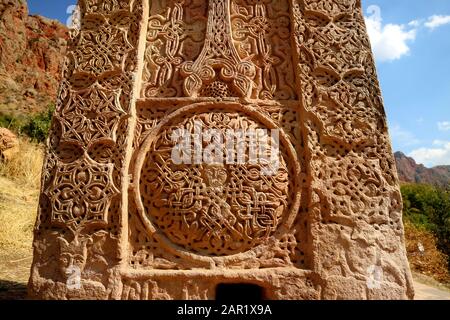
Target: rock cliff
(31,52)
(410,171)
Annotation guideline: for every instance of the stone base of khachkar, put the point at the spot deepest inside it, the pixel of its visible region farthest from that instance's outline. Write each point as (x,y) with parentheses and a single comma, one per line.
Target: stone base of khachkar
(198,145)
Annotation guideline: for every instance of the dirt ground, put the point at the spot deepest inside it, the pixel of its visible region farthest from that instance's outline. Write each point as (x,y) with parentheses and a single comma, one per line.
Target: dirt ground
(14,273)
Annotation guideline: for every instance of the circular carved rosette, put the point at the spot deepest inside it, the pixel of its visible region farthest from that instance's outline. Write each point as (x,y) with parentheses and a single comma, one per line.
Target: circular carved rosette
(206,207)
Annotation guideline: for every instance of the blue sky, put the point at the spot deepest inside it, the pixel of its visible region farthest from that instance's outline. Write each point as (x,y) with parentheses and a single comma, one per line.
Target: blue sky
(411,41)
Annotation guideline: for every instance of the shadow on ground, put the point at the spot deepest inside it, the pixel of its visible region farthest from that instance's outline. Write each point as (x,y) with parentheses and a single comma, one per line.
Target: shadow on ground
(14,274)
(11,290)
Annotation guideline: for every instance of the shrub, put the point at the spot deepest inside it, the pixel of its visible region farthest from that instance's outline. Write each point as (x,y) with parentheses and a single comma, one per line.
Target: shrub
(428,207)
(11,122)
(429,260)
(36,126)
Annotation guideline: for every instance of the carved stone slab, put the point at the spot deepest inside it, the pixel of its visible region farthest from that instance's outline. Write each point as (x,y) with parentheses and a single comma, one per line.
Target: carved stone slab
(121,218)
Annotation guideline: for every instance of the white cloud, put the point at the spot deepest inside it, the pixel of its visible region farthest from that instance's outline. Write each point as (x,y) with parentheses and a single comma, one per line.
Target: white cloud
(431,157)
(402,137)
(436,21)
(415,23)
(444,126)
(391,41)
(439,143)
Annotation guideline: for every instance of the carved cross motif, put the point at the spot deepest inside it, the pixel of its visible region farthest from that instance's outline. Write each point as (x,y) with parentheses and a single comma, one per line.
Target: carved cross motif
(218,71)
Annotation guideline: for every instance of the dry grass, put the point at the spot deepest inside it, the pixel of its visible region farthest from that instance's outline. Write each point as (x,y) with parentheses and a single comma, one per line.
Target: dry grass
(431,261)
(18,206)
(19,192)
(25,167)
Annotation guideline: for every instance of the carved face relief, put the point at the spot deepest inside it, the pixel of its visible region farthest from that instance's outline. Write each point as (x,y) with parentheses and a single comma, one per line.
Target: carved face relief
(216,176)
(73,256)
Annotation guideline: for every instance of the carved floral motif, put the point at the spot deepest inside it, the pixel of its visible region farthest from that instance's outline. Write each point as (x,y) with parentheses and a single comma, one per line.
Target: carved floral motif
(80,193)
(91,114)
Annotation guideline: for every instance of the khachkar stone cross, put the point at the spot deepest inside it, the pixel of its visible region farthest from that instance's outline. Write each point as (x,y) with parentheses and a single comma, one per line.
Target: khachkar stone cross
(301,200)
(219,55)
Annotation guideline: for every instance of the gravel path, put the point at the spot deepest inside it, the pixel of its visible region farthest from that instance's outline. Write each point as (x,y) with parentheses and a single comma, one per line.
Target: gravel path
(427,292)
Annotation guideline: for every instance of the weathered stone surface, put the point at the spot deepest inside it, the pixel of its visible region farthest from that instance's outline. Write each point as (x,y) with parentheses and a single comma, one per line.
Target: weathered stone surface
(127,221)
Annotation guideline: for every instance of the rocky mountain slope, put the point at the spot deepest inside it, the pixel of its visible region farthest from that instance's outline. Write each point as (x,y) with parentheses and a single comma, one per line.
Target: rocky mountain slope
(410,171)
(31,52)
